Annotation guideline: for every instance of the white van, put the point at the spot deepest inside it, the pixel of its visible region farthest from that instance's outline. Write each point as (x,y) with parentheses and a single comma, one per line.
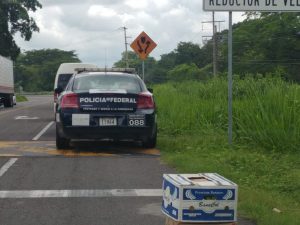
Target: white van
(63,75)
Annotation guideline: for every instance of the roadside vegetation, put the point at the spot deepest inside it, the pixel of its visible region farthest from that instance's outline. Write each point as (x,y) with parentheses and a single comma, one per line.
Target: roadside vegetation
(263,43)
(35,70)
(21,98)
(264,159)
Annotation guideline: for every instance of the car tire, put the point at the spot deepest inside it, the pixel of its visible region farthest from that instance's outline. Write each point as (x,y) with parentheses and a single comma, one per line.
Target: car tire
(62,143)
(151,142)
(9,102)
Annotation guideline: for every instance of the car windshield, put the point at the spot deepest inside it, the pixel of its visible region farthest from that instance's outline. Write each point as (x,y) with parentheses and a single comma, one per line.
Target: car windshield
(107,82)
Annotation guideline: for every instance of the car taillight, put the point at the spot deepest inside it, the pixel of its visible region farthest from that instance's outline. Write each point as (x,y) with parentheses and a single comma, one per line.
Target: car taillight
(69,101)
(145,101)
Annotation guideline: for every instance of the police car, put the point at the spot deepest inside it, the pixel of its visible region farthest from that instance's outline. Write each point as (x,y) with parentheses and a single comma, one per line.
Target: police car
(106,104)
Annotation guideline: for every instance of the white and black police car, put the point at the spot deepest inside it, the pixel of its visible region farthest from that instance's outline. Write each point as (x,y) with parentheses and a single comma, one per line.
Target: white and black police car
(106,103)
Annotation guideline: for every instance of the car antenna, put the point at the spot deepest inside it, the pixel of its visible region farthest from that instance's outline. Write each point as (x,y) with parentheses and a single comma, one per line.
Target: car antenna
(105,65)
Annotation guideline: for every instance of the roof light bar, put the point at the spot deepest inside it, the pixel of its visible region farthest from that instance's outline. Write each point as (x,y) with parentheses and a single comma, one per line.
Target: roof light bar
(124,70)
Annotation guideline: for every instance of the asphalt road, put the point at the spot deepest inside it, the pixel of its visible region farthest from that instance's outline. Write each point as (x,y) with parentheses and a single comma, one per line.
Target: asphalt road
(99,183)
(26,119)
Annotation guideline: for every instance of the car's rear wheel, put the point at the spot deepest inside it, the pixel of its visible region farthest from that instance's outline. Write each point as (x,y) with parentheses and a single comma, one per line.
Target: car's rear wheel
(61,142)
(151,141)
(8,101)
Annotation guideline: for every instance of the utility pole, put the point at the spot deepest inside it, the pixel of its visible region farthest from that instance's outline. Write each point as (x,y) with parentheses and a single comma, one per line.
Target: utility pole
(126,44)
(215,44)
(230,120)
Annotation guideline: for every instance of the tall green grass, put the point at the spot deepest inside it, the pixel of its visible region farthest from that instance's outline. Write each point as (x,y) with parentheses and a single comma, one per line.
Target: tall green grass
(266,111)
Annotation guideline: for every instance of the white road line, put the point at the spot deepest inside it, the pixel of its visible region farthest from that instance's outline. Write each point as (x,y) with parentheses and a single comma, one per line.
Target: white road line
(82,193)
(7,165)
(37,137)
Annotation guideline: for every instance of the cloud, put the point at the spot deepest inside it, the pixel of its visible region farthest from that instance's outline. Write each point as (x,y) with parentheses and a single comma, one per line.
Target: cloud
(101,11)
(78,2)
(91,27)
(136,4)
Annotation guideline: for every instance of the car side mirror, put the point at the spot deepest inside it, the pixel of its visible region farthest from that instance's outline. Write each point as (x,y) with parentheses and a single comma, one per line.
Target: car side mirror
(150,90)
(58,90)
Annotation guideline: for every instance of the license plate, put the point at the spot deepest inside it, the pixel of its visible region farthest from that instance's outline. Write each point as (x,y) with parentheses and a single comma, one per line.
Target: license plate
(108,121)
(136,120)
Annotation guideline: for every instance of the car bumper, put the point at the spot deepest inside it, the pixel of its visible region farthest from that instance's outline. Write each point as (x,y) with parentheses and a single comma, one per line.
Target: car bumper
(122,131)
(100,133)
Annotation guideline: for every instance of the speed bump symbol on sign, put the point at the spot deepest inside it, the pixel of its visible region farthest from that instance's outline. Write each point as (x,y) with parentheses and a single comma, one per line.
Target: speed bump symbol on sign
(143,45)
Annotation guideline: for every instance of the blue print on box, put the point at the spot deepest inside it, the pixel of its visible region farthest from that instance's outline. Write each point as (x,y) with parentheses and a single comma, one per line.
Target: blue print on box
(170,195)
(218,215)
(208,194)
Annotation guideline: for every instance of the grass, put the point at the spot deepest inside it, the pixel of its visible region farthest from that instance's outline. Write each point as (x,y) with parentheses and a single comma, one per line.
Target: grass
(264,160)
(266,111)
(21,98)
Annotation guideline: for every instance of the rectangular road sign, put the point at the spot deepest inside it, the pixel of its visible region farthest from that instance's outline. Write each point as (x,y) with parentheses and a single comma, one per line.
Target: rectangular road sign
(252,5)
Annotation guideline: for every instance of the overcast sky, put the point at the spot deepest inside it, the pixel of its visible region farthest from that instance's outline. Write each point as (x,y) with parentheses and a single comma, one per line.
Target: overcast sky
(91,27)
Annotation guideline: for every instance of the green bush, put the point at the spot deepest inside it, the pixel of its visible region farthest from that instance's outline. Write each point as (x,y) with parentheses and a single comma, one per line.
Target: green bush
(185,72)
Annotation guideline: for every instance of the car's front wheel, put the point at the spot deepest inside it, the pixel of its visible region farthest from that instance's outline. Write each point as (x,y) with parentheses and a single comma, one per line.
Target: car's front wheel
(61,142)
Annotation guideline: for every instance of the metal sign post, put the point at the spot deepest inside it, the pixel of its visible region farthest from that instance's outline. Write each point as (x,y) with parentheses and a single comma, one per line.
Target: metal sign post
(230,121)
(143,68)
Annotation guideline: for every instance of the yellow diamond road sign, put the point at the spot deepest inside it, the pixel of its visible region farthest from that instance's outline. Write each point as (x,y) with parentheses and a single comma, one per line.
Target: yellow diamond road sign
(143,45)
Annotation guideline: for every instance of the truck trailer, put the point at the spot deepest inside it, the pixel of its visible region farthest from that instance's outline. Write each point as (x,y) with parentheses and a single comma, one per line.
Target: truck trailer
(6,82)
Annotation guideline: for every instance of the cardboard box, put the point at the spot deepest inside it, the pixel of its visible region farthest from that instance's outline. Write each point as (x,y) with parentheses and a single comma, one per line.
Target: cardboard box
(199,198)
(170,221)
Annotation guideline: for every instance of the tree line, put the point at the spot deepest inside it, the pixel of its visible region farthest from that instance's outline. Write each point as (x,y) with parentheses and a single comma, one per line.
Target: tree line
(35,70)
(264,44)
